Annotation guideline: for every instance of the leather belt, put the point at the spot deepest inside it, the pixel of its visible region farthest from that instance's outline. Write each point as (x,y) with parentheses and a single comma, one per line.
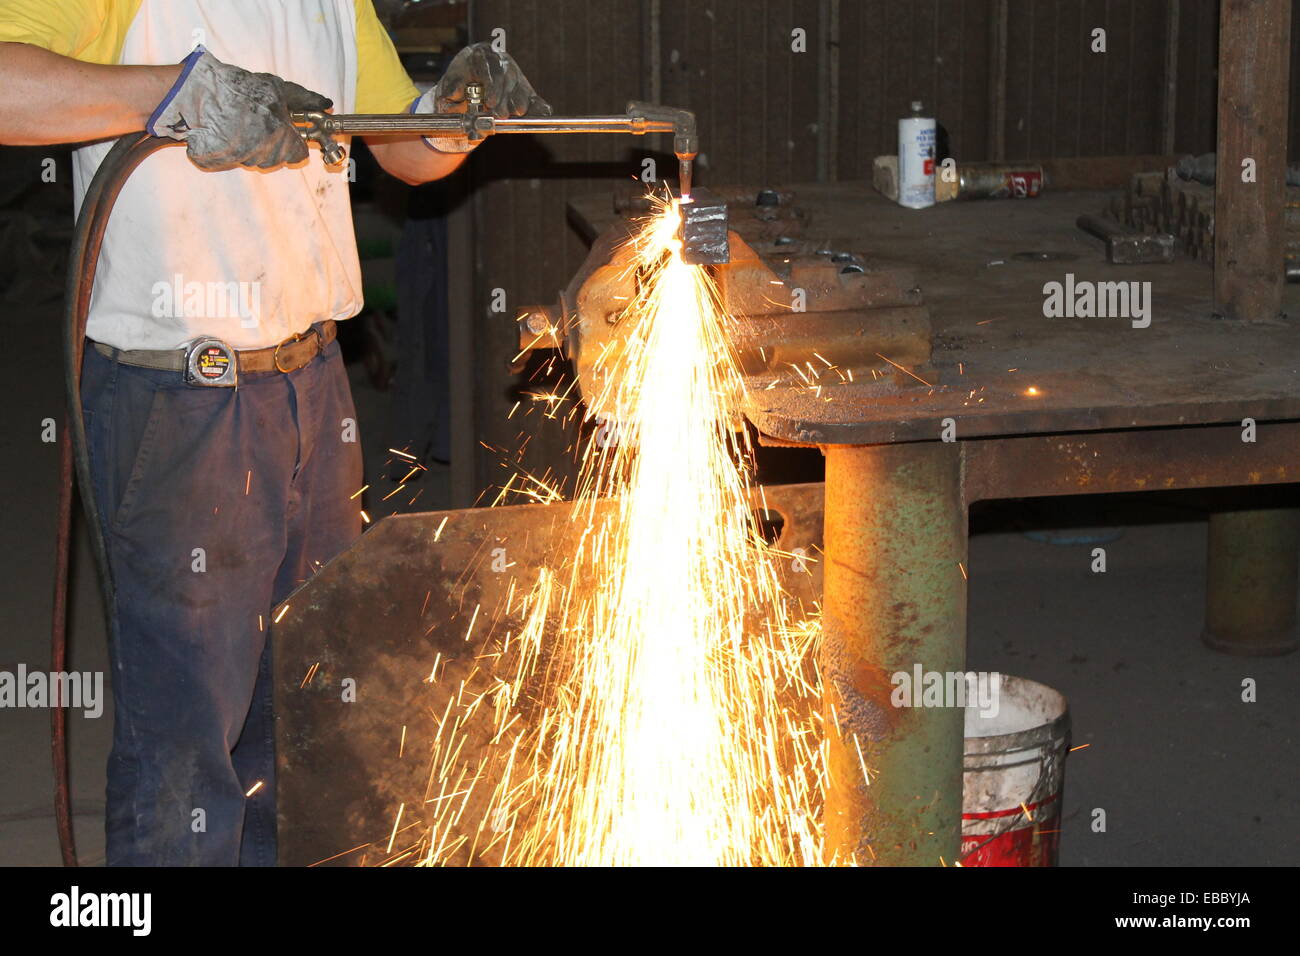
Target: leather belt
(291,354)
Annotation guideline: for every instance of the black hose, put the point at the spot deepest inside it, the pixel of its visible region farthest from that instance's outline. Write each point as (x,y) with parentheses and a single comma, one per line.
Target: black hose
(96,207)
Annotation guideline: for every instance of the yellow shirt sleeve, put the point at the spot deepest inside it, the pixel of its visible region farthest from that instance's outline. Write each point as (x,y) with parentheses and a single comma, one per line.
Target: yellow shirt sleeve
(89,30)
(382,84)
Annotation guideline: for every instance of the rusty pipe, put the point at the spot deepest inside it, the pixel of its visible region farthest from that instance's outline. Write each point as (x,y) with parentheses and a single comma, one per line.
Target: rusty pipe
(894,597)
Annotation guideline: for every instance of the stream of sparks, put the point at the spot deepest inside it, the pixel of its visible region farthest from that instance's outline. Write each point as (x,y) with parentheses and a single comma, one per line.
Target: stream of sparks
(661,706)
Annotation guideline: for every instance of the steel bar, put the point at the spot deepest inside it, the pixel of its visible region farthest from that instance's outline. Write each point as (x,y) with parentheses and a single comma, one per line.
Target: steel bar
(704,228)
(895,598)
(1125,245)
(1250,593)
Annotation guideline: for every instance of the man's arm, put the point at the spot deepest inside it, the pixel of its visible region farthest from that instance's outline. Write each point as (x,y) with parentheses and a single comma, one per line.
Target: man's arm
(411,160)
(46,98)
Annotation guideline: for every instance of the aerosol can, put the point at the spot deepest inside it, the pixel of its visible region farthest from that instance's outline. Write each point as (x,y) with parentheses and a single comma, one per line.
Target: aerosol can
(916,142)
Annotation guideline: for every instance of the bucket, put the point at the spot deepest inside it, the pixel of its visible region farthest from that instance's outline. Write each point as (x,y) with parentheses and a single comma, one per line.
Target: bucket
(1013,776)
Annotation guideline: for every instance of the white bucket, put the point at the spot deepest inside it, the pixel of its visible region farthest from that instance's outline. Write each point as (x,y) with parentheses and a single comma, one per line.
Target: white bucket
(1013,777)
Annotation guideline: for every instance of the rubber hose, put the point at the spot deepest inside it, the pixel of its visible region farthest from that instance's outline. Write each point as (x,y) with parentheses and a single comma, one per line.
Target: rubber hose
(74,456)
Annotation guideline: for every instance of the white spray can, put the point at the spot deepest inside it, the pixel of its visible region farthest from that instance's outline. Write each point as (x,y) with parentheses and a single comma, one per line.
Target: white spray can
(916,141)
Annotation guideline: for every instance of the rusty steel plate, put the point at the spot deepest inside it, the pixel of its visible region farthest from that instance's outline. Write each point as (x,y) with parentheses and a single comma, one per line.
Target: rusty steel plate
(372,622)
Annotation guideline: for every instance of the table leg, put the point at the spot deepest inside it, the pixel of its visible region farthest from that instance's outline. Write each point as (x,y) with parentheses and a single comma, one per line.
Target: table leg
(895,598)
(1250,592)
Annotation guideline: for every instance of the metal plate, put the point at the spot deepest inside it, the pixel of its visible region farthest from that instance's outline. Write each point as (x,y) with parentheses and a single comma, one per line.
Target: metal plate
(378,616)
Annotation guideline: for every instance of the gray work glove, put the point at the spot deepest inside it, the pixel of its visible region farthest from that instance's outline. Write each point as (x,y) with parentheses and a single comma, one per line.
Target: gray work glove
(506,91)
(230,117)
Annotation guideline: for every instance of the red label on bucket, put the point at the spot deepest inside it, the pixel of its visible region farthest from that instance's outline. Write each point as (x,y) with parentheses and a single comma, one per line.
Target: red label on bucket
(1028,846)
(1034,844)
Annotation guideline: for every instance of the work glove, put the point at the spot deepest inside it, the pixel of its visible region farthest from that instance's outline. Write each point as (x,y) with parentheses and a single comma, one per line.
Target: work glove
(230,117)
(506,92)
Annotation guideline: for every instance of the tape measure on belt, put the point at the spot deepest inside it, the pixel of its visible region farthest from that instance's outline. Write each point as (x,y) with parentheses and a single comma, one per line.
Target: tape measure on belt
(208,361)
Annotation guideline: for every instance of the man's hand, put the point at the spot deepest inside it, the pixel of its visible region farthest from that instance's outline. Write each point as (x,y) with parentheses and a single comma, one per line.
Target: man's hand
(230,117)
(506,91)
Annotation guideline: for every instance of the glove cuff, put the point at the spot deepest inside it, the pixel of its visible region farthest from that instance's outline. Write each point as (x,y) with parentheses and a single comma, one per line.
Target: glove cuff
(442,144)
(160,122)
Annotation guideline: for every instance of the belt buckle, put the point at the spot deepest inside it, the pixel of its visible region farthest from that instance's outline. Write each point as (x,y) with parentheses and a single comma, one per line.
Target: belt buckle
(298,337)
(211,362)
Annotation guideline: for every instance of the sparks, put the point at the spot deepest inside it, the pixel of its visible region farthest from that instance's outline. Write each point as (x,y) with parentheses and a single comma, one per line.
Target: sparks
(673,714)
(902,369)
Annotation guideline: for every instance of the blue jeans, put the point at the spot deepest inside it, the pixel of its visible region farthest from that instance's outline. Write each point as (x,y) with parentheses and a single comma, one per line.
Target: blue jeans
(216,503)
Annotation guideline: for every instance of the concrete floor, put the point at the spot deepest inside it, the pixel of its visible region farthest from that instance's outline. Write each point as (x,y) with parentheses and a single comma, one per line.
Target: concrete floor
(1187,773)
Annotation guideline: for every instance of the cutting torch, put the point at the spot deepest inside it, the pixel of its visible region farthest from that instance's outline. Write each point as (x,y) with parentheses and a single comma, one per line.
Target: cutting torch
(475,125)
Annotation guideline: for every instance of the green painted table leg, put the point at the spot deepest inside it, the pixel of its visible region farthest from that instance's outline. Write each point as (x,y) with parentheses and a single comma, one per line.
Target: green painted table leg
(895,597)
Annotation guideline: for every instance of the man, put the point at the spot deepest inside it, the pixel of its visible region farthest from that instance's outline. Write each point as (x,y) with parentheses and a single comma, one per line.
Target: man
(217,501)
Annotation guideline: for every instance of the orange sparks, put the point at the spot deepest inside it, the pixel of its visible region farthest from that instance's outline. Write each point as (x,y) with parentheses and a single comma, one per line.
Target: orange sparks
(901,369)
(393,835)
(650,698)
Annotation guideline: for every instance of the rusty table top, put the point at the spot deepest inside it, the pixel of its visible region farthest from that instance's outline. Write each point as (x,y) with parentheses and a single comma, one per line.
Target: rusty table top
(999,365)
